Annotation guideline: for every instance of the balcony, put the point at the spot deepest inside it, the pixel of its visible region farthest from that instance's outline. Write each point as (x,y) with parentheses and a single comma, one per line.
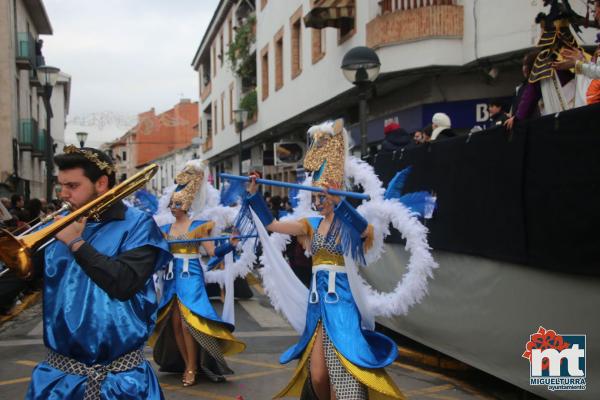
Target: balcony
(28,133)
(25,51)
(403,21)
(39,145)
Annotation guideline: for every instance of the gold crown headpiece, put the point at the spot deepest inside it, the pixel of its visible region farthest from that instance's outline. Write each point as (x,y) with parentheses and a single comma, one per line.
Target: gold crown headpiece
(91,156)
(326,157)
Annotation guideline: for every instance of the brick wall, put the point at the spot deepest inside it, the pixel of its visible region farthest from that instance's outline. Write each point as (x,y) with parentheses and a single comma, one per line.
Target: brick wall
(415,24)
(159,134)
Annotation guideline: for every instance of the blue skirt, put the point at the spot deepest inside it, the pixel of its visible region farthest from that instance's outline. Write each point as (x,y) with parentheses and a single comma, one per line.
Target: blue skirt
(341,320)
(190,290)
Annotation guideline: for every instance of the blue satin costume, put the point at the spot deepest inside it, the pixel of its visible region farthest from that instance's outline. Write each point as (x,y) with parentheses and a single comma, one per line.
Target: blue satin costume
(82,322)
(341,320)
(189,289)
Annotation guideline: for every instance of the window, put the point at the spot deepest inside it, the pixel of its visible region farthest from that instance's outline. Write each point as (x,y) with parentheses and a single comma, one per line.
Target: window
(264,56)
(172,171)
(216,116)
(222,52)
(223,111)
(214,61)
(279,59)
(296,42)
(229,30)
(319,38)
(124,156)
(231,103)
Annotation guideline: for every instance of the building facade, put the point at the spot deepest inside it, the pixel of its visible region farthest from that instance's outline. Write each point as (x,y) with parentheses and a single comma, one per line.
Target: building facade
(436,55)
(154,137)
(23,127)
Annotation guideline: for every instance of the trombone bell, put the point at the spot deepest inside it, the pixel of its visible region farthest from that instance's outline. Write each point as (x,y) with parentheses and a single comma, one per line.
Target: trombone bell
(14,254)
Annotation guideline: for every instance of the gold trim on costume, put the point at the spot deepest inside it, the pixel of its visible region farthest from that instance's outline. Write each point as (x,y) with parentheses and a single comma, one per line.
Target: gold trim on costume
(378,382)
(199,232)
(294,386)
(229,344)
(324,257)
(380,385)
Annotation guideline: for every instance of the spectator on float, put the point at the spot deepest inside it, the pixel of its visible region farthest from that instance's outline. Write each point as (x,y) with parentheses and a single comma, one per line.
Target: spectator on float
(575,59)
(526,67)
(441,125)
(395,138)
(497,114)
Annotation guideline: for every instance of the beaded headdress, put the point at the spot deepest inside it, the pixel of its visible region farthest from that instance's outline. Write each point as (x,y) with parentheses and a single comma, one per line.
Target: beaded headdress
(107,167)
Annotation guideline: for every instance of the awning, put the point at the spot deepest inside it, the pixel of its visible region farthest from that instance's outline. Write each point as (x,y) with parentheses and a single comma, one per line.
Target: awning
(331,14)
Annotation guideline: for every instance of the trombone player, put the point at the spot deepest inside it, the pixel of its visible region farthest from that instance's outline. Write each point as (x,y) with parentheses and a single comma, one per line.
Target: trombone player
(99,298)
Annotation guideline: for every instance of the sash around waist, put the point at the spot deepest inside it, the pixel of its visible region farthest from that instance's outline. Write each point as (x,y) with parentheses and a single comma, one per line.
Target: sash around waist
(331,268)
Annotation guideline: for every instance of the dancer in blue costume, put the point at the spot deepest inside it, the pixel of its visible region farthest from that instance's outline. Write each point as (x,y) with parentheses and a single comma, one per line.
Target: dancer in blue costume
(99,299)
(189,334)
(338,358)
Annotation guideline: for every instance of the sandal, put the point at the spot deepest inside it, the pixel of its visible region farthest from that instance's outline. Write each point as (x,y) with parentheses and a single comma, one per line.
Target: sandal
(189,378)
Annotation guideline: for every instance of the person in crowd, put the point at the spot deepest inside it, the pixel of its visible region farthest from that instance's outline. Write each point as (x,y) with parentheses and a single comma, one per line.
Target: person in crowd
(190,336)
(396,137)
(441,126)
(276,206)
(33,210)
(17,203)
(497,114)
(6,203)
(99,299)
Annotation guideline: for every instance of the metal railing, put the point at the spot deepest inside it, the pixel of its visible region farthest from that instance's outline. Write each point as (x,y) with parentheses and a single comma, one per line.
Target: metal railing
(39,145)
(387,6)
(26,47)
(28,133)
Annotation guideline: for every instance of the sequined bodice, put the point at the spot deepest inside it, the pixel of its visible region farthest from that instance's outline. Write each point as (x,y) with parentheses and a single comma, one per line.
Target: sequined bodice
(325,250)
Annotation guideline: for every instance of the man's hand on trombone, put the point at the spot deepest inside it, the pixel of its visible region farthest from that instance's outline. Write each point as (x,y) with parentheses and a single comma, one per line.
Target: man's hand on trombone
(72,232)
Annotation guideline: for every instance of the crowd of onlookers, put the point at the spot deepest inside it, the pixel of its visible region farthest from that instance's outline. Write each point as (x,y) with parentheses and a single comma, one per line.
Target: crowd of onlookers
(16,216)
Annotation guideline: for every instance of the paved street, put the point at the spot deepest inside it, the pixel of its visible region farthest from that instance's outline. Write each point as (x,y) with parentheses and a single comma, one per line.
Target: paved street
(258,375)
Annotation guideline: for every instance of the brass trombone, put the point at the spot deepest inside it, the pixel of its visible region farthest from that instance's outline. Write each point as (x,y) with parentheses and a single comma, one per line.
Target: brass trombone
(16,251)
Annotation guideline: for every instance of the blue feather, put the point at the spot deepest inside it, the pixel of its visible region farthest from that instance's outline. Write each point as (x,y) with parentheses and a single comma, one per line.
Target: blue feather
(232,193)
(394,189)
(421,203)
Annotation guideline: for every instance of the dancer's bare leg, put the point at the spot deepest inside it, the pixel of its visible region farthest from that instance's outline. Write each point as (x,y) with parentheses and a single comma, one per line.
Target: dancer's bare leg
(318,369)
(191,348)
(178,332)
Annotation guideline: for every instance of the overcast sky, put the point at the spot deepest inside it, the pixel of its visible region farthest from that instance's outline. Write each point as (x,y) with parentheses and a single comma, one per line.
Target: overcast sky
(126,56)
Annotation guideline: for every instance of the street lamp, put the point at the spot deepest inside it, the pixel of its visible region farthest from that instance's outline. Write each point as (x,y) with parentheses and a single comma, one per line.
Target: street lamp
(81,137)
(241,115)
(48,76)
(361,67)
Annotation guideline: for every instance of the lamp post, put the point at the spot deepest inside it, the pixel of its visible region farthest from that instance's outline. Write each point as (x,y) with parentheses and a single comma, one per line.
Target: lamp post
(361,67)
(241,115)
(48,76)
(81,137)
